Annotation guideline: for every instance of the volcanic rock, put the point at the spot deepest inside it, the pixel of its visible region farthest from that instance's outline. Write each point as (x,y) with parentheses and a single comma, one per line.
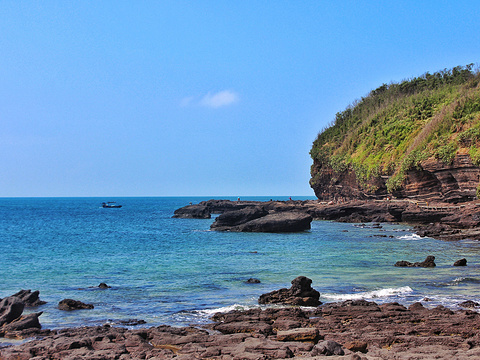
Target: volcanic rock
(70,304)
(193,212)
(29,298)
(428,262)
(11,308)
(461,262)
(301,293)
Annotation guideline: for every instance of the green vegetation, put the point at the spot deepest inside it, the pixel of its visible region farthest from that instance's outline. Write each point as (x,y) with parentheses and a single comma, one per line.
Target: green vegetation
(399,125)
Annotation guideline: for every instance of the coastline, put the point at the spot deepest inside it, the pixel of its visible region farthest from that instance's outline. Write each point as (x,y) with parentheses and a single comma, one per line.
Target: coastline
(428,330)
(349,330)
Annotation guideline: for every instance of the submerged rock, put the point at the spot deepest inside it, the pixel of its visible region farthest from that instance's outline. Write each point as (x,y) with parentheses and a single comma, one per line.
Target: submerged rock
(461,262)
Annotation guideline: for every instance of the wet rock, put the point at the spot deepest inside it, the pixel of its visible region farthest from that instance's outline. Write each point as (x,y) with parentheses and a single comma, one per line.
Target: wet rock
(24,322)
(70,304)
(327,348)
(301,293)
(104,286)
(30,298)
(461,262)
(11,308)
(428,262)
(252,281)
(469,304)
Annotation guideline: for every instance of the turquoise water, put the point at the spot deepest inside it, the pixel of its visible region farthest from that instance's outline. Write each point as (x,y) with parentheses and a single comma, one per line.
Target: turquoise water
(175,271)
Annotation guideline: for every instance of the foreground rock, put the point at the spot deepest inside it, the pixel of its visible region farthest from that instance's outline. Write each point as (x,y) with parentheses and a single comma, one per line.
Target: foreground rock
(428,262)
(11,312)
(301,293)
(357,329)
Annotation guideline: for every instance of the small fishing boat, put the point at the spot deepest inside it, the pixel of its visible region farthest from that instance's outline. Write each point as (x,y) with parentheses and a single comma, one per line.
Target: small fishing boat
(111,205)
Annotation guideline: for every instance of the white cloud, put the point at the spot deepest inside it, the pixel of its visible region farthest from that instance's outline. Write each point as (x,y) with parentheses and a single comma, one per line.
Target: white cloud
(215,100)
(219,99)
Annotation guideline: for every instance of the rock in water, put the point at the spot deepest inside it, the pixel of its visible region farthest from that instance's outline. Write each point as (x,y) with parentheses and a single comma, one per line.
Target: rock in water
(29,298)
(428,262)
(301,293)
(70,304)
(461,262)
(11,308)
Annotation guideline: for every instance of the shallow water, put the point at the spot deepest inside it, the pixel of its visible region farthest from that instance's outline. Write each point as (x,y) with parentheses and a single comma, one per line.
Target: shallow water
(177,272)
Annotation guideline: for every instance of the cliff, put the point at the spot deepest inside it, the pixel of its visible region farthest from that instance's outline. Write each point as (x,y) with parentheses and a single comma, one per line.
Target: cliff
(418,139)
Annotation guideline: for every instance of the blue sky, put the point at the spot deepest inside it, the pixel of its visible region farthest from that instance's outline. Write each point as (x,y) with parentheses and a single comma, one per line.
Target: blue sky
(210,98)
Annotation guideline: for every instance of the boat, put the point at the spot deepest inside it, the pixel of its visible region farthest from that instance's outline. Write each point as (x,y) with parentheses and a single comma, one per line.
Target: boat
(111,205)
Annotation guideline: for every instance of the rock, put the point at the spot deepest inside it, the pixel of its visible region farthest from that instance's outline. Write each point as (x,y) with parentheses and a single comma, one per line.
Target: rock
(299,334)
(104,286)
(301,293)
(428,262)
(258,219)
(356,346)
(461,262)
(229,219)
(292,221)
(29,298)
(70,304)
(24,322)
(252,281)
(327,348)
(469,304)
(193,212)
(11,308)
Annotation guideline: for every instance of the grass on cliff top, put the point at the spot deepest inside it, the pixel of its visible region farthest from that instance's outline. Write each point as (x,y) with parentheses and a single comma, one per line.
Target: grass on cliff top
(398,125)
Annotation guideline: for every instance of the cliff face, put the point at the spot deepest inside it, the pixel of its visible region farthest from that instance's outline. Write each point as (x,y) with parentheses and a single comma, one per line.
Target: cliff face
(419,139)
(432,180)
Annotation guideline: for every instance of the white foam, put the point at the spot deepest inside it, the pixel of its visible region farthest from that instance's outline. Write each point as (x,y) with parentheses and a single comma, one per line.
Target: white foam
(225,309)
(409,237)
(375,294)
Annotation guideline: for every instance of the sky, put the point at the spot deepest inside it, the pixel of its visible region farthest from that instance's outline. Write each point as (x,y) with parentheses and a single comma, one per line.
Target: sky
(199,98)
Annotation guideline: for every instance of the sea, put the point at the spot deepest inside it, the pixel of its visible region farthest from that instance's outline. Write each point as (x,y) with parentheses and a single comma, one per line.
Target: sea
(177,272)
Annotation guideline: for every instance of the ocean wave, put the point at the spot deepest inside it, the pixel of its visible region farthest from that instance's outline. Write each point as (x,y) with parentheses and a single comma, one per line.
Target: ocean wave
(409,237)
(464,280)
(224,309)
(375,294)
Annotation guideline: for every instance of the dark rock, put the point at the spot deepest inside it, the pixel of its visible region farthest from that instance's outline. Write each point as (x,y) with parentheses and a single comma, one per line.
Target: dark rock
(301,293)
(469,304)
(70,304)
(252,281)
(11,308)
(461,262)
(428,262)
(193,212)
(327,348)
(29,298)
(237,217)
(132,322)
(104,286)
(258,219)
(24,322)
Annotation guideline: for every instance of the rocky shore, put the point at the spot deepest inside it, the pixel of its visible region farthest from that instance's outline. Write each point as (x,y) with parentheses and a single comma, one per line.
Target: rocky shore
(348,330)
(444,221)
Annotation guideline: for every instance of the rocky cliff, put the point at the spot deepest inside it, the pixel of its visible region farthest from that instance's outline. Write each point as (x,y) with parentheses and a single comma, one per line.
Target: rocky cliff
(419,139)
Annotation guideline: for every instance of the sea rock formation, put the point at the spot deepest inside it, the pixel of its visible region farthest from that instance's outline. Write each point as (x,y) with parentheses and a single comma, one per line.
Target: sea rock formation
(70,304)
(11,312)
(301,293)
(258,219)
(428,262)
